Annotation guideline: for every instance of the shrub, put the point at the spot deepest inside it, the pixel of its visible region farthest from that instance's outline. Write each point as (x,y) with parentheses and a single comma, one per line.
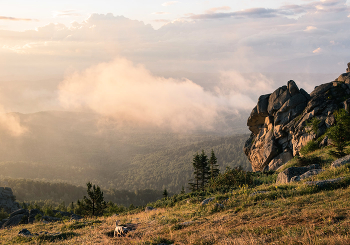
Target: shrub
(308,160)
(38,217)
(3,214)
(232,178)
(311,146)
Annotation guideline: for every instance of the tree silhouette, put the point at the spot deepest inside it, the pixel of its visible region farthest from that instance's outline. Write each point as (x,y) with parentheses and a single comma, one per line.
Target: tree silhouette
(214,167)
(94,204)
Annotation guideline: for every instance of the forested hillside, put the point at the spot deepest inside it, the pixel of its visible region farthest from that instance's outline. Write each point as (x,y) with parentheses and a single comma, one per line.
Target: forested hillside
(80,147)
(57,193)
(169,168)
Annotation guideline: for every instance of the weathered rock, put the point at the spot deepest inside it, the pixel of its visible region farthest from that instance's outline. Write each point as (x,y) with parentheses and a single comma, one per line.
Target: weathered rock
(75,217)
(286,176)
(50,219)
(279,121)
(306,175)
(7,200)
(206,201)
(13,221)
(19,211)
(324,142)
(25,233)
(279,161)
(32,214)
(323,183)
(148,209)
(341,161)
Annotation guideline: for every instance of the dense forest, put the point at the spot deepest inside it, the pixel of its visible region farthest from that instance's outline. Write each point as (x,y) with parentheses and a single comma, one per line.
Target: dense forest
(168,168)
(29,191)
(76,148)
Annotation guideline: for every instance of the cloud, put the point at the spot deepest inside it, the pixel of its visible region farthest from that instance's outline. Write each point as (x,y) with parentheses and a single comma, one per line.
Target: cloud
(10,123)
(214,10)
(162,20)
(310,28)
(328,6)
(170,3)
(316,51)
(131,94)
(16,19)
(65,13)
(160,13)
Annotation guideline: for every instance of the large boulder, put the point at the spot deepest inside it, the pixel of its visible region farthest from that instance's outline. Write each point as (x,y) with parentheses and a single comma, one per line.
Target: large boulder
(7,200)
(279,121)
(15,220)
(286,176)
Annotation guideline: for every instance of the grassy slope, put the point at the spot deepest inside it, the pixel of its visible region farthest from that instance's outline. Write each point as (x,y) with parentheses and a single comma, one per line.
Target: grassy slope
(285,214)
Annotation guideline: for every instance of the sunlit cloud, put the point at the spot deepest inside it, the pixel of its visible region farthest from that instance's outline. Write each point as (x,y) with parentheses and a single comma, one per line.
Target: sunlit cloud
(170,3)
(310,28)
(316,51)
(162,20)
(130,93)
(16,19)
(214,10)
(10,123)
(160,13)
(66,13)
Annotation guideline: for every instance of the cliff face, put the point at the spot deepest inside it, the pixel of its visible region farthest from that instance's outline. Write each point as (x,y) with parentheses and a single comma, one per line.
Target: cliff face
(278,122)
(7,200)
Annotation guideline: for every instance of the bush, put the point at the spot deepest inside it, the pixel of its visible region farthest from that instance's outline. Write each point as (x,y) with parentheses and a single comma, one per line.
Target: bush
(38,217)
(3,214)
(311,146)
(306,161)
(232,178)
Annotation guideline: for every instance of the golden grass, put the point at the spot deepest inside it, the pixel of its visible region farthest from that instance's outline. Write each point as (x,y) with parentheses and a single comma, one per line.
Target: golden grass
(285,214)
(319,218)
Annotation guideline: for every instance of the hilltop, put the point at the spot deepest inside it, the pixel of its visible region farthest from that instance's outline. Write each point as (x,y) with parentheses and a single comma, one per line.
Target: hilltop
(302,201)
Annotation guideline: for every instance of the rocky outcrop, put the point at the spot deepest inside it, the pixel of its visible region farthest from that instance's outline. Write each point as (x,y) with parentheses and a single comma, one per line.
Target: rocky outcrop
(7,200)
(278,121)
(293,173)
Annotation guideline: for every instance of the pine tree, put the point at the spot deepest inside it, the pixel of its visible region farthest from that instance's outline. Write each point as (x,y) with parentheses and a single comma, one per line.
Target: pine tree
(340,133)
(165,193)
(214,167)
(182,190)
(194,186)
(201,171)
(204,169)
(93,205)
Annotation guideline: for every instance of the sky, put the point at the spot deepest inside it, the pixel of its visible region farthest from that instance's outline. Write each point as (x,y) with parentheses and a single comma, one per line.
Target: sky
(148,61)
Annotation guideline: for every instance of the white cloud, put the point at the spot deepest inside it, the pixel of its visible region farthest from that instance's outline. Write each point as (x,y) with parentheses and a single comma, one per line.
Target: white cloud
(130,93)
(170,3)
(214,10)
(310,28)
(316,51)
(160,13)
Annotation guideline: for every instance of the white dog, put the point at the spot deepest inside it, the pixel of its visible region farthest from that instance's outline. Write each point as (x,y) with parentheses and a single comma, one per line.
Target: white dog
(120,230)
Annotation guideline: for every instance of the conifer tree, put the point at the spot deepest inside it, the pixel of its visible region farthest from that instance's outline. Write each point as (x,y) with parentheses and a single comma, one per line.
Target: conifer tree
(194,186)
(214,167)
(204,169)
(165,193)
(201,171)
(94,204)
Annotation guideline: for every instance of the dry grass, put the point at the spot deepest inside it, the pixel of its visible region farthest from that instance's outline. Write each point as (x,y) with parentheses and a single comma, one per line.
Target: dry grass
(286,214)
(318,218)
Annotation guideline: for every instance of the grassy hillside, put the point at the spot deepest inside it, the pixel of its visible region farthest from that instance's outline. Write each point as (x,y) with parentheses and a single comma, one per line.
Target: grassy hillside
(260,212)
